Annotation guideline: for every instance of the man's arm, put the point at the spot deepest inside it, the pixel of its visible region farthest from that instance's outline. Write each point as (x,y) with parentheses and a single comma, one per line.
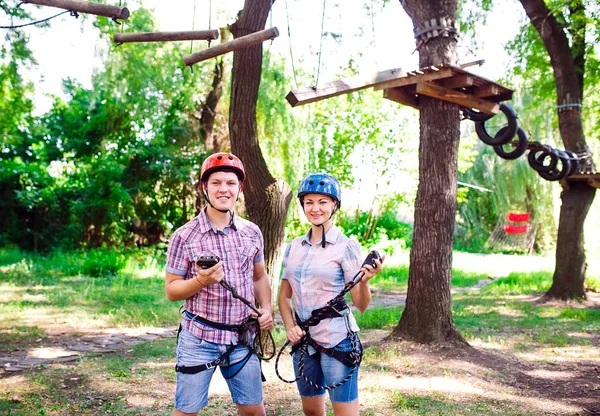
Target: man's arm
(262,293)
(177,288)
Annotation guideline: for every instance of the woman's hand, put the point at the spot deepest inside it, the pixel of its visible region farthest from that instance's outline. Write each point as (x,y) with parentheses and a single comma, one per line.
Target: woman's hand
(370,271)
(294,334)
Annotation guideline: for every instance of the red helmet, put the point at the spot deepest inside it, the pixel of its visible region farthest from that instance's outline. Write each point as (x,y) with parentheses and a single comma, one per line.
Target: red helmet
(222,162)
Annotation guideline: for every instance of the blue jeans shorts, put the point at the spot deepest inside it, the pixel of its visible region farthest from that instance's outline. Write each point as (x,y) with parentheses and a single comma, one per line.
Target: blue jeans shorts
(327,371)
(191,393)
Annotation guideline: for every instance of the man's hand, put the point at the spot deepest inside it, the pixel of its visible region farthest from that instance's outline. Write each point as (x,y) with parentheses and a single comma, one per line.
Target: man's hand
(265,320)
(210,276)
(294,334)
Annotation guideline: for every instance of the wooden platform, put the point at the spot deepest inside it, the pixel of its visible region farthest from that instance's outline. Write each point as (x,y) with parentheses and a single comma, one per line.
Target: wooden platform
(592,179)
(448,83)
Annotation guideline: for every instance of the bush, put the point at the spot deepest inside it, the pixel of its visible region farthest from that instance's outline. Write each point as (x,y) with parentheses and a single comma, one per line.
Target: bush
(101,262)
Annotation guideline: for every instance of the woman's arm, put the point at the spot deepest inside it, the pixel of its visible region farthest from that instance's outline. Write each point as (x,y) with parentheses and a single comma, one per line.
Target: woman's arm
(293,331)
(361,293)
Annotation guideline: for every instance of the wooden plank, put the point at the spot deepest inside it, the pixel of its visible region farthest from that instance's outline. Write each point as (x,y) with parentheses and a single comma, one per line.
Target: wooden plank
(487,90)
(457,97)
(402,96)
(594,183)
(239,43)
(114,12)
(307,95)
(166,36)
(458,81)
(401,82)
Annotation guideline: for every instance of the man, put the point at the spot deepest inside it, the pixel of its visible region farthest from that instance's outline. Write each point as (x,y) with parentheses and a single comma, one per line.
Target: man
(212,331)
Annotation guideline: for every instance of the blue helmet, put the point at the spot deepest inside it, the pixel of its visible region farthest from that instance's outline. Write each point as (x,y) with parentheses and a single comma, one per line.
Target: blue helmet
(321,183)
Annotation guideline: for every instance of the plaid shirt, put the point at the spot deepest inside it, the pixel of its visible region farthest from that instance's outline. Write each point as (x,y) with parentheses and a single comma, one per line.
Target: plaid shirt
(317,275)
(238,248)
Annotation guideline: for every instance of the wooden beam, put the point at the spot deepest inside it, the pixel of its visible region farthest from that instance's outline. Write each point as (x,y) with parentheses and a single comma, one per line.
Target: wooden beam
(401,96)
(408,80)
(487,90)
(459,81)
(594,183)
(236,44)
(166,36)
(457,97)
(114,12)
(307,95)
(468,64)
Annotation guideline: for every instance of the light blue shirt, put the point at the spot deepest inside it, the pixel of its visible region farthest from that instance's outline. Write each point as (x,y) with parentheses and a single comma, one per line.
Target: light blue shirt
(317,275)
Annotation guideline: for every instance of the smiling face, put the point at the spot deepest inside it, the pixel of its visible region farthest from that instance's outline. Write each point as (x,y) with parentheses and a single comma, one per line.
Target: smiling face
(318,208)
(223,189)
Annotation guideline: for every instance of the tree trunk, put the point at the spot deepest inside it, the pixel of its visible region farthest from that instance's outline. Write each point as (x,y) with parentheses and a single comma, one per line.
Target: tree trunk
(428,314)
(568,64)
(267,198)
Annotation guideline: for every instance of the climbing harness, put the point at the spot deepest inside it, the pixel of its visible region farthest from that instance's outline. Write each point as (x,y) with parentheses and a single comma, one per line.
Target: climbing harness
(244,332)
(335,308)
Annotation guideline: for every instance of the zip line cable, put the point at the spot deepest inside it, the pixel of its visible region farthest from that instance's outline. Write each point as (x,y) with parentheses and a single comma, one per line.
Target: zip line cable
(194,26)
(320,46)
(287,14)
(74,14)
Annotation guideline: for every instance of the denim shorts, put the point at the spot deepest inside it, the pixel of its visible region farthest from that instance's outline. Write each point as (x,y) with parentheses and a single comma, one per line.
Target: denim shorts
(191,393)
(327,370)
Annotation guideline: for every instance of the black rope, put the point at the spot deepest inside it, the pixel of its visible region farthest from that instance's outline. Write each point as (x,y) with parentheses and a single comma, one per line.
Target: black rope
(74,14)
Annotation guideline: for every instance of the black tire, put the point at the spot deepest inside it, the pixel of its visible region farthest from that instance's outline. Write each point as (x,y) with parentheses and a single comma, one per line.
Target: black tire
(574,159)
(518,150)
(509,133)
(475,115)
(536,159)
(558,174)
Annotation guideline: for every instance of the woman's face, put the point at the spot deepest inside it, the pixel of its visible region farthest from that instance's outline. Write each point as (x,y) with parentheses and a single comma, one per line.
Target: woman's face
(318,208)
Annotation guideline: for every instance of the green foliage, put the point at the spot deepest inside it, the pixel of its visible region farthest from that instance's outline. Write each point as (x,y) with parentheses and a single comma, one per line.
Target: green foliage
(103,262)
(113,164)
(370,233)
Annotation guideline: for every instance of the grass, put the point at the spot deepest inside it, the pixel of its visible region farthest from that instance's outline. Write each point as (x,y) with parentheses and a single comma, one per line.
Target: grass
(502,316)
(58,285)
(395,278)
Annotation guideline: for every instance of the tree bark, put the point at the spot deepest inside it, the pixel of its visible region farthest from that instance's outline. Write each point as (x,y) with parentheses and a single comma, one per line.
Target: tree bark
(427,317)
(568,64)
(267,198)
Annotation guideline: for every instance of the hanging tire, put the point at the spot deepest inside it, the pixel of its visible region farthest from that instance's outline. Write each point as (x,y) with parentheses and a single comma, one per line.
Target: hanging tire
(557,174)
(519,149)
(475,115)
(574,159)
(499,139)
(536,159)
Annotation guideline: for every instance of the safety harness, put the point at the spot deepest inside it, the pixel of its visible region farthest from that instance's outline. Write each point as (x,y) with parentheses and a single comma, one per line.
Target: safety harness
(244,332)
(335,308)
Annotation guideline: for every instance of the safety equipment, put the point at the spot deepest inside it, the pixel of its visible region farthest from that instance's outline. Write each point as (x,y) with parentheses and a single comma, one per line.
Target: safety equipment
(320,183)
(222,161)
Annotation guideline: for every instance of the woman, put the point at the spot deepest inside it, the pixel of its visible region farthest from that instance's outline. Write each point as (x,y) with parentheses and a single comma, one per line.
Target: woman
(316,268)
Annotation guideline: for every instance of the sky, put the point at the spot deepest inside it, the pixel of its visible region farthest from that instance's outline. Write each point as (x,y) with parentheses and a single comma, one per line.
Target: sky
(71,47)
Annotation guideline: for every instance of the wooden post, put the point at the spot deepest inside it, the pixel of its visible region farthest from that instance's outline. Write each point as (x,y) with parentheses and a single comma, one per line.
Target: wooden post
(239,43)
(114,12)
(166,36)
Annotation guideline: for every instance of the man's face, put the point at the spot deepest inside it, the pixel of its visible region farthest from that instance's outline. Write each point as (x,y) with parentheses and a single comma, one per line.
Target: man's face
(222,189)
